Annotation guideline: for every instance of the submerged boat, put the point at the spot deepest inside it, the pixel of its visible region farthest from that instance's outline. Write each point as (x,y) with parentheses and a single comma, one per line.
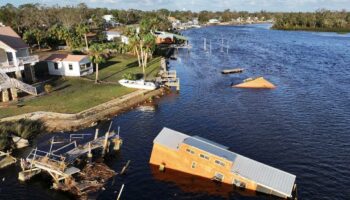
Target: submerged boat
(138,84)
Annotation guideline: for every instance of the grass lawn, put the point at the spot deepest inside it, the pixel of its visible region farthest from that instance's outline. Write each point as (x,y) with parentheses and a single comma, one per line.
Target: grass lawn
(72,95)
(114,69)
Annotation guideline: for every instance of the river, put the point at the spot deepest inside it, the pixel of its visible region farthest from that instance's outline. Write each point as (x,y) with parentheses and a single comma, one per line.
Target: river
(302,126)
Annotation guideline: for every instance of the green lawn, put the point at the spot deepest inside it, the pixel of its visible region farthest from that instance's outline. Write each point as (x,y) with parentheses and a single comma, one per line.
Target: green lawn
(114,69)
(72,95)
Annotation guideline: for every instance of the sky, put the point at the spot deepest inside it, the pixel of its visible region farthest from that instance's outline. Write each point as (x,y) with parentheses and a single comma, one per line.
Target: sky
(198,5)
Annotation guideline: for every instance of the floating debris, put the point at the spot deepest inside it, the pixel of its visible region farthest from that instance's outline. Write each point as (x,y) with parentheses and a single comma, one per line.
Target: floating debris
(232,71)
(6,159)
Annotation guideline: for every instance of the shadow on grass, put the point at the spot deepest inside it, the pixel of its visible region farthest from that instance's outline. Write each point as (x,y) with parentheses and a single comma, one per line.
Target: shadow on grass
(62,87)
(106,64)
(133,64)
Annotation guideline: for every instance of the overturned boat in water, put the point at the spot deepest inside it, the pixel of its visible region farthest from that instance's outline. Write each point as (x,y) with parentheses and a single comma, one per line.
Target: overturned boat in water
(138,84)
(258,83)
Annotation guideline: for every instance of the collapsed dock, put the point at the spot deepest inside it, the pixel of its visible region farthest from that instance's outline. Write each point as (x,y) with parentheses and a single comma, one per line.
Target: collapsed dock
(60,164)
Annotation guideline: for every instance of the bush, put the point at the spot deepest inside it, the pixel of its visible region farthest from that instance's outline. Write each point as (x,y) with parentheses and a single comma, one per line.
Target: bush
(130,76)
(48,88)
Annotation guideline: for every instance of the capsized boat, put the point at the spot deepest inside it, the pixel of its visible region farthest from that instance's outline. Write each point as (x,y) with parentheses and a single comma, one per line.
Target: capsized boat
(259,83)
(138,84)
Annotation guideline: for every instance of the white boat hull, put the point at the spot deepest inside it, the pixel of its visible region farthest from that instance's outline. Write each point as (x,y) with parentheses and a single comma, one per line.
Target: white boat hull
(138,84)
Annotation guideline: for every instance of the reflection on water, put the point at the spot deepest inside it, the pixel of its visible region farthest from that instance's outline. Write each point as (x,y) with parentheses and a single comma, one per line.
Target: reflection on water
(194,184)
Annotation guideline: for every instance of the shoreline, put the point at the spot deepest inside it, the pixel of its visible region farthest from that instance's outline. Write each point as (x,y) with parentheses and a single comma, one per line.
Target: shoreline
(56,122)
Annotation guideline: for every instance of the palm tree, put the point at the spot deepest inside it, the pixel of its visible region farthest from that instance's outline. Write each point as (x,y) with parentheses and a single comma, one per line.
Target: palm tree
(82,30)
(96,56)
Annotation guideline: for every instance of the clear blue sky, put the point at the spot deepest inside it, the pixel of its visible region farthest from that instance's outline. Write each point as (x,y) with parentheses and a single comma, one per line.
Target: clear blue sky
(197,5)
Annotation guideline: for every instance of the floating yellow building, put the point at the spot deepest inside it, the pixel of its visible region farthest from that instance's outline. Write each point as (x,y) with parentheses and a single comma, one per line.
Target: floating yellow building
(198,156)
(258,83)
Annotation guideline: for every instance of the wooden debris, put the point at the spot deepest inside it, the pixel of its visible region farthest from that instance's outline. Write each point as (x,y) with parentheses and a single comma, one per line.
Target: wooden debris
(125,167)
(232,71)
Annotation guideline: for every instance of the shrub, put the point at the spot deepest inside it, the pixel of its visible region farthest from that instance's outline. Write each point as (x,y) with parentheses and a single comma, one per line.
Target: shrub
(48,88)
(130,76)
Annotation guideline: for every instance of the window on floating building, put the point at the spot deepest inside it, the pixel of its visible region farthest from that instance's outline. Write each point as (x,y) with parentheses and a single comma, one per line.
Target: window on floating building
(218,176)
(204,156)
(55,66)
(193,165)
(190,151)
(218,162)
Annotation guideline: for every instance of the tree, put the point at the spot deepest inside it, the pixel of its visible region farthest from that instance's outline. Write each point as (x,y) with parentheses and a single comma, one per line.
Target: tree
(82,30)
(96,56)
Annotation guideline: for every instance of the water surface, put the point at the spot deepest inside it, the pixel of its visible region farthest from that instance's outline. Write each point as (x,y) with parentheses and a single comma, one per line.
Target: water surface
(301,127)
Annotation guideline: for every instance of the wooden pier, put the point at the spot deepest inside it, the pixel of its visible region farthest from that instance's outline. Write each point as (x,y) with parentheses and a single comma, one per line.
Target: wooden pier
(168,77)
(59,163)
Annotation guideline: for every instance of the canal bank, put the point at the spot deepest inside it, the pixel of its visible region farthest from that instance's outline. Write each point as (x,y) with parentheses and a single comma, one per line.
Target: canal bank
(55,122)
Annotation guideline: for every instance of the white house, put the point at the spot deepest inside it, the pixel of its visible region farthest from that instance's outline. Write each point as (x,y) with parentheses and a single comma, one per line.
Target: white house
(14,55)
(110,20)
(111,35)
(213,21)
(69,65)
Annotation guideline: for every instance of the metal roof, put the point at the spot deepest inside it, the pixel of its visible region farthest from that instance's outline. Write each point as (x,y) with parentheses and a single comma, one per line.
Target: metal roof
(264,175)
(170,138)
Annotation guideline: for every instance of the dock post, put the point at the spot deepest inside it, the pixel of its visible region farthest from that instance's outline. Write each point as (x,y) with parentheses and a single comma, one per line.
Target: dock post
(205,44)
(89,154)
(210,46)
(105,145)
(178,85)
(120,192)
(227,47)
(96,134)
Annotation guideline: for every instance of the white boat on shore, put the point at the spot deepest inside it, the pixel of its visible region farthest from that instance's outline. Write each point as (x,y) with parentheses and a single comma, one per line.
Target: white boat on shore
(138,84)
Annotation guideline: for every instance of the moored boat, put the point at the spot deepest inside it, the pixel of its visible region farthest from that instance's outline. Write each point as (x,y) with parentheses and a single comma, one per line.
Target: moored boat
(138,84)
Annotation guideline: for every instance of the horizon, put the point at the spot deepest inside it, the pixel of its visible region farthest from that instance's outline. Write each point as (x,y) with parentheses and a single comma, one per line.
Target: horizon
(201,5)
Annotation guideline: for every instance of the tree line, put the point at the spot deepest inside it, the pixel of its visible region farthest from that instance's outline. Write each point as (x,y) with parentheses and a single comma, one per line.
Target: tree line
(321,20)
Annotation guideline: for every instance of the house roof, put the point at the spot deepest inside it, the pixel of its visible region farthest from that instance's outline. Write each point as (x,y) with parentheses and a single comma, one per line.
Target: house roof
(65,57)
(264,175)
(11,38)
(170,138)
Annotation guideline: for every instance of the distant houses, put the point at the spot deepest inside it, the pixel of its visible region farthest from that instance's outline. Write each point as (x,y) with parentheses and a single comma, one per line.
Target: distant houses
(213,21)
(69,65)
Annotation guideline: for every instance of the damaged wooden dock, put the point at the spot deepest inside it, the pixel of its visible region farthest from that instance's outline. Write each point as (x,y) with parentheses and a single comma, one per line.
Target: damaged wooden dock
(59,163)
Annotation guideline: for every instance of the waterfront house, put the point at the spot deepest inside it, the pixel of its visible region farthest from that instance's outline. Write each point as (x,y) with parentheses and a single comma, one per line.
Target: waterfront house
(15,59)
(16,65)
(69,65)
(201,157)
(213,21)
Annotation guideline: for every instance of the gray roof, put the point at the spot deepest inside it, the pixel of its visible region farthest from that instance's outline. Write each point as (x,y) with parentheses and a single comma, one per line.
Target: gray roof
(170,138)
(264,175)
(267,176)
